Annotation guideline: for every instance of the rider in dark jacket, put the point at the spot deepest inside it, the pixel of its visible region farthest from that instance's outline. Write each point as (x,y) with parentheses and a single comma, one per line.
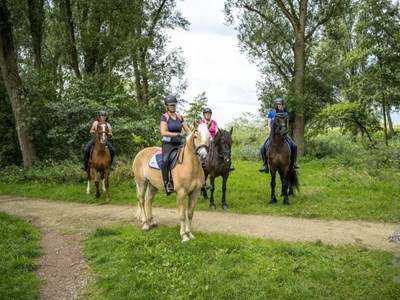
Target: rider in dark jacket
(264,149)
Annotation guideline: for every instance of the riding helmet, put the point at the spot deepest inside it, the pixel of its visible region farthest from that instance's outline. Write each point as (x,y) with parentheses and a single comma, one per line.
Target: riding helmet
(102,113)
(207,110)
(170,100)
(278,101)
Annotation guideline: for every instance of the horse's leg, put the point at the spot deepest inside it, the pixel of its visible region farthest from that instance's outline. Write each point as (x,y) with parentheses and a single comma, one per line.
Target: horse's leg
(273,183)
(96,182)
(193,196)
(180,199)
(141,187)
(204,187)
(224,181)
(284,180)
(149,196)
(212,181)
(88,180)
(106,184)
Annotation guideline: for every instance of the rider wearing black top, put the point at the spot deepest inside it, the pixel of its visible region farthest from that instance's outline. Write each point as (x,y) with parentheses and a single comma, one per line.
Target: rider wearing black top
(171,125)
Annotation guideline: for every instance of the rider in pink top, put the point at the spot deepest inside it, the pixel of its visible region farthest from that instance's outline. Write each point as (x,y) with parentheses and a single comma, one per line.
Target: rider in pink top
(211,124)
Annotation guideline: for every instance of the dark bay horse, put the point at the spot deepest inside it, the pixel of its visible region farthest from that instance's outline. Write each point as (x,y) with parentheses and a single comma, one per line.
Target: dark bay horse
(187,175)
(279,159)
(100,162)
(218,164)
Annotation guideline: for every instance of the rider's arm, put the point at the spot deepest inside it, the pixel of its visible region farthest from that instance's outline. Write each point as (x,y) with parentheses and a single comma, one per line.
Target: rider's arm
(92,129)
(269,124)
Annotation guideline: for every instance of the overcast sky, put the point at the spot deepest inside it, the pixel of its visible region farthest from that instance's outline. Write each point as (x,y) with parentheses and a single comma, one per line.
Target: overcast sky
(215,65)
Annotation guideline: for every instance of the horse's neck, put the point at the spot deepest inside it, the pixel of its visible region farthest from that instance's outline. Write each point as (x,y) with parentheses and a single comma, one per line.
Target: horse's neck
(278,139)
(190,157)
(100,147)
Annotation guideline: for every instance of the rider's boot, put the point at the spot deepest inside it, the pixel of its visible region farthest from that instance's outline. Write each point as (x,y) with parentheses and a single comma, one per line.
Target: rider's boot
(265,169)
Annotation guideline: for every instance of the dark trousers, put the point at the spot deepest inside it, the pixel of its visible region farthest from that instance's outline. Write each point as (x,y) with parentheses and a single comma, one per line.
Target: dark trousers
(166,148)
(293,150)
(89,146)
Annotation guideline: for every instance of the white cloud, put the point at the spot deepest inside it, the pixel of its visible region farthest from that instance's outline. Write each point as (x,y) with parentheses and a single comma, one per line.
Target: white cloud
(215,65)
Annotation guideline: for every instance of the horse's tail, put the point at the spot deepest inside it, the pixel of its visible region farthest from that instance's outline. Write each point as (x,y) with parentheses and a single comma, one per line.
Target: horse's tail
(293,178)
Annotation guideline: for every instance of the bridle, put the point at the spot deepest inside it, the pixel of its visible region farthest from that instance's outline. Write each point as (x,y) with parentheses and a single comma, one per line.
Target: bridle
(281,124)
(102,134)
(226,154)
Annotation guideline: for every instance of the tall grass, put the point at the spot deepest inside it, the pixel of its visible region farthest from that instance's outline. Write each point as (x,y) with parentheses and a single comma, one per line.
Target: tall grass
(128,264)
(19,247)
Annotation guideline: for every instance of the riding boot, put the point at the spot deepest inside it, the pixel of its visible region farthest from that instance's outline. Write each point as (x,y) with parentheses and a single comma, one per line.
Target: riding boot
(166,179)
(265,169)
(84,166)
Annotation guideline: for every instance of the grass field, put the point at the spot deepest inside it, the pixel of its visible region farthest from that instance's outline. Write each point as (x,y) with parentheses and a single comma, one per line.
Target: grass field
(328,191)
(127,264)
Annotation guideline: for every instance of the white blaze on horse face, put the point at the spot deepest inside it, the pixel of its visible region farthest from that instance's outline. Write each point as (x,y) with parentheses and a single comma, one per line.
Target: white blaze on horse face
(103,135)
(204,139)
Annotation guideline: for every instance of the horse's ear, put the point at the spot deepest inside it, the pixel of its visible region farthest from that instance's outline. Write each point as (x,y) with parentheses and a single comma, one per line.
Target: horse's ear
(230,131)
(195,124)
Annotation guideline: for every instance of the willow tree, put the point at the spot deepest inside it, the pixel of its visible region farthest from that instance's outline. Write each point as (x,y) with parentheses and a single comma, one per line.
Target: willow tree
(277,34)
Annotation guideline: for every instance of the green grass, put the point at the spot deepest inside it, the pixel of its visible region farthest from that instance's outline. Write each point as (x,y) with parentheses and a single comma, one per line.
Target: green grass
(19,247)
(129,264)
(328,191)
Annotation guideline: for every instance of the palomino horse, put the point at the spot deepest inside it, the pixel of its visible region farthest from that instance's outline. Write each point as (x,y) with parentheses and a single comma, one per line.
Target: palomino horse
(187,175)
(100,161)
(218,164)
(279,159)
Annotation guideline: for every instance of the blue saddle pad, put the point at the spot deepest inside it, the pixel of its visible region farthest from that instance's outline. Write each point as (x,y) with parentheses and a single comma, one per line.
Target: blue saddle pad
(156,159)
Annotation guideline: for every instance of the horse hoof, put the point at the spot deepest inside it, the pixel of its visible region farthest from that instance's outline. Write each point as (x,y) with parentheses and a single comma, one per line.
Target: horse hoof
(272,201)
(107,199)
(286,202)
(190,235)
(224,206)
(154,225)
(185,238)
(212,206)
(145,228)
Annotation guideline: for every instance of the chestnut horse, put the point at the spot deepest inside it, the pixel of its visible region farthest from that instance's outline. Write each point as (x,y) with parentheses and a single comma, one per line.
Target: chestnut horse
(218,164)
(187,175)
(100,161)
(279,159)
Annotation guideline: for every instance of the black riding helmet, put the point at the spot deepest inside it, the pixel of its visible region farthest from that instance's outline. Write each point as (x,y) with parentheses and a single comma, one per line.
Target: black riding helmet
(278,101)
(171,99)
(102,113)
(207,110)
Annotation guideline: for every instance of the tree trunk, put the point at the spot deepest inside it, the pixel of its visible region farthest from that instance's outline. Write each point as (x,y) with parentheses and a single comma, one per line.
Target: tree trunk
(36,19)
(71,39)
(299,78)
(13,84)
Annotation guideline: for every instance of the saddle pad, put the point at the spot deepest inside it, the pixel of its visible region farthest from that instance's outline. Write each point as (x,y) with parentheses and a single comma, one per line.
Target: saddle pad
(156,159)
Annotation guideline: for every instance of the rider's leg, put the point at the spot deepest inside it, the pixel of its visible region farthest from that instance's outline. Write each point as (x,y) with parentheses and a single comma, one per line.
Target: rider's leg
(264,155)
(112,154)
(293,149)
(86,156)
(166,150)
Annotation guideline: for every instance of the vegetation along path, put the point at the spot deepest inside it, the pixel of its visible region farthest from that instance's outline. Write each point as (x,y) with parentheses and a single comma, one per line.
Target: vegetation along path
(65,225)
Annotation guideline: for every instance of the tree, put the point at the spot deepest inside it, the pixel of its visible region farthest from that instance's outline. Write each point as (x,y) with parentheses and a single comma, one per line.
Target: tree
(277,34)
(376,57)
(13,84)
(195,111)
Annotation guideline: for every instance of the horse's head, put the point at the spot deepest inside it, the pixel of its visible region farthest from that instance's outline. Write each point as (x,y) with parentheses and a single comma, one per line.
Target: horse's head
(223,142)
(102,132)
(280,124)
(201,141)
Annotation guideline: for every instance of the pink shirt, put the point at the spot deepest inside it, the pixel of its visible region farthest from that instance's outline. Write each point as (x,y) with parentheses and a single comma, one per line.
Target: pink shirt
(212,128)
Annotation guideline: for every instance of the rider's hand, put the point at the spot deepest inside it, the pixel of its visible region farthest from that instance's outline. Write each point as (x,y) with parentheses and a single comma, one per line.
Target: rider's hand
(181,135)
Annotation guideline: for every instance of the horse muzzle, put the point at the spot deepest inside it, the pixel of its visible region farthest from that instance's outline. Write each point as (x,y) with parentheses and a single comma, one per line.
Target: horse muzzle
(202,152)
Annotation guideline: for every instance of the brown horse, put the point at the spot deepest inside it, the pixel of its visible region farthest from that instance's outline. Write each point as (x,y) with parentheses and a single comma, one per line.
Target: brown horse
(187,175)
(279,159)
(218,164)
(100,161)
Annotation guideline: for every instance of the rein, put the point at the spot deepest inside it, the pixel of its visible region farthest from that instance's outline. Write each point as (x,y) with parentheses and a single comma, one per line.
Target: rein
(193,149)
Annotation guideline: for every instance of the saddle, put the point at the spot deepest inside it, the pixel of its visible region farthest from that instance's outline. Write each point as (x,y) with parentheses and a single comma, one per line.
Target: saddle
(156,159)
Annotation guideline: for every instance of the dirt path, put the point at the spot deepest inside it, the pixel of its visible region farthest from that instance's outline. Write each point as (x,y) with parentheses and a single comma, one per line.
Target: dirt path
(64,226)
